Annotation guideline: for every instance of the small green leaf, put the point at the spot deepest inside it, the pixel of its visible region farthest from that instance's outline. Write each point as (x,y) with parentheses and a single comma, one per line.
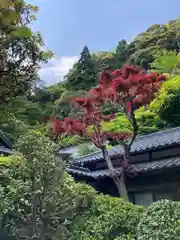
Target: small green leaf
(23,32)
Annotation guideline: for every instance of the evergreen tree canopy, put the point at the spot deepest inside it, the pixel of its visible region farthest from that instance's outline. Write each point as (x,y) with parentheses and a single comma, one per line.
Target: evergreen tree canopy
(20,49)
(148,43)
(83,75)
(122,53)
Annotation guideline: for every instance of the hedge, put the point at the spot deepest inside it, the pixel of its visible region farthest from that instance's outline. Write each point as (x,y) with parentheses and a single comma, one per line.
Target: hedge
(160,221)
(106,218)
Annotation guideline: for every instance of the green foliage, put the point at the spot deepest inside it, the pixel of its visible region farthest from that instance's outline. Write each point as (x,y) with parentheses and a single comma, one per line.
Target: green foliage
(20,49)
(125,237)
(142,57)
(21,55)
(68,141)
(37,196)
(120,123)
(104,60)
(148,121)
(21,114)
(12,188)
(11,125)
(167,62)
(145,46)
(122,53)
(166,105)
(34,144)
(110,108)
(56,90)
(63,106)
(10,160)
(83,75)
(160,221)
(26,111)
(106,218)
(85,149)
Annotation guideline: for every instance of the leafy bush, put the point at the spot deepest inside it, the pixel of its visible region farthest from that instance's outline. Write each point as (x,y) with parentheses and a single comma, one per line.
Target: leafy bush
(166,105)
(37,196)
(120,123)
(148,121)
(12,185)
(106,218)
(160,221)
(166,61)
(69,141)
(125,237)
(85,149)
(11,125)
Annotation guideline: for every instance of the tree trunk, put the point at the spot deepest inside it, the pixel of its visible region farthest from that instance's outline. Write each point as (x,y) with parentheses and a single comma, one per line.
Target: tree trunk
(117,176)
(123,189)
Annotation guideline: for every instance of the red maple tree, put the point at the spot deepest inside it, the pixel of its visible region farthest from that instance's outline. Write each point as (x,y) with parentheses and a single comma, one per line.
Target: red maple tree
(128,87)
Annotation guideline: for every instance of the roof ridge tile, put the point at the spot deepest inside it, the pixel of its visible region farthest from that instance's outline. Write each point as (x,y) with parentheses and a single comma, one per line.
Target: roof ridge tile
(145,142)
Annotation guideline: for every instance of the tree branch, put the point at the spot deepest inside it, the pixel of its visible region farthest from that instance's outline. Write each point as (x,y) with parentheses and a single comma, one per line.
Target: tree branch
(135,127)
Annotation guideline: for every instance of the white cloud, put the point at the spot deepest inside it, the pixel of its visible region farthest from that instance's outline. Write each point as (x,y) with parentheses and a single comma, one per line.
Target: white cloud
(56,69)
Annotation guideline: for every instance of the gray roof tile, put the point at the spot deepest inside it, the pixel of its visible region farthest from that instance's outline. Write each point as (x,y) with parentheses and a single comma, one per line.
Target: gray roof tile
(5,140)
(4,150)
(140,168)
(142,143)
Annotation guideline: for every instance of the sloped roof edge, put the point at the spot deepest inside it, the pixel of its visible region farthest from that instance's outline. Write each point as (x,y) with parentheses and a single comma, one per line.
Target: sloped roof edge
(139,167)
(6,150)
(5,139)
(151,141)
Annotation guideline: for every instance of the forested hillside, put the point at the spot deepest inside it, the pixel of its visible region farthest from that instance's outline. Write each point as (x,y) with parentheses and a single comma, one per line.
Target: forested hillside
(24,105)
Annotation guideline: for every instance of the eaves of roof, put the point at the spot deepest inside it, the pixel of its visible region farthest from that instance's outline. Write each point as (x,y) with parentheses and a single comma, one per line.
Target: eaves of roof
(148,142)
(6,140)
(139,168)
(4,150)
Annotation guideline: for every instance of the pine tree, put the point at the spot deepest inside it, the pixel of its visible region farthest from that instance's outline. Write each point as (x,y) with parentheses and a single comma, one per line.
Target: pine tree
(121,53)
(83,74)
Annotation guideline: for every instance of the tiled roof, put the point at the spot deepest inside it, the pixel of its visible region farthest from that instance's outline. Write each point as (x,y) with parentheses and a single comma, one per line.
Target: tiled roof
(5,150)
(143,143)
(5,140)
(140,168)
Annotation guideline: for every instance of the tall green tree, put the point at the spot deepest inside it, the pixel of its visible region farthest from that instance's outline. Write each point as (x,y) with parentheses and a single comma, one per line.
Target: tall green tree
(83,74)
(155,38)
(122,53)
(20,49)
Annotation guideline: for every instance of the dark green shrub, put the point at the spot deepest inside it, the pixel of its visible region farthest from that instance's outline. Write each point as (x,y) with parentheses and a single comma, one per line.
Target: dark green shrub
(161,221)
(36,195)
(85,149)
(125,237)
(106,218)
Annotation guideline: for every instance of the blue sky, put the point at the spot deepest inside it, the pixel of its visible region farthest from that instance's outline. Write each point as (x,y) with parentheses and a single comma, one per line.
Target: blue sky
(67,25)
